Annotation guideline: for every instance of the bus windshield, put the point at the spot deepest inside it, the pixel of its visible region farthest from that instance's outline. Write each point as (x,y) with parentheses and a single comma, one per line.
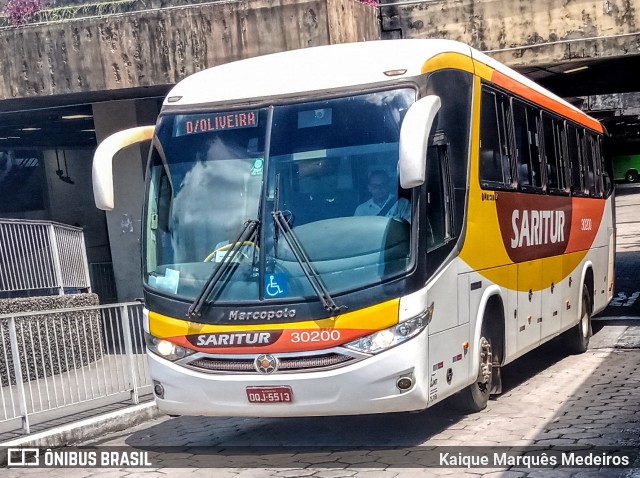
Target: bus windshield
(328,167)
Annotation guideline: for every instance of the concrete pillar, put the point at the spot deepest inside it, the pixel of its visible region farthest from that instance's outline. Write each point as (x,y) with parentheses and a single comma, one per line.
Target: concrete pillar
(124,223)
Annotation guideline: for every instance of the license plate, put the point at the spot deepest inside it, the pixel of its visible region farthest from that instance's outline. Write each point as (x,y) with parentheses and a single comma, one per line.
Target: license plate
(278,394)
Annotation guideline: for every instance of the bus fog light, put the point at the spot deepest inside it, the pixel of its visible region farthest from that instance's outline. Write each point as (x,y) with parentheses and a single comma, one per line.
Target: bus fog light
(388,338)
(404,383)
(158,389)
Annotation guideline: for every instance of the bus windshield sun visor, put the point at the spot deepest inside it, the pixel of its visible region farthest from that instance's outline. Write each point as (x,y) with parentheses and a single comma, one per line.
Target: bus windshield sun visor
(249,233)
(314,279)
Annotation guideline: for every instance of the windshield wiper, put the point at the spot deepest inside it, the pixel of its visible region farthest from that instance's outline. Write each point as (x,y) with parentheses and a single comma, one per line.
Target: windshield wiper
(248,233)
(305,264)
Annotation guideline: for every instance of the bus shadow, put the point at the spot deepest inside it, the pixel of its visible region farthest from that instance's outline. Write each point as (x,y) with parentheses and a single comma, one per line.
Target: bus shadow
(529,365)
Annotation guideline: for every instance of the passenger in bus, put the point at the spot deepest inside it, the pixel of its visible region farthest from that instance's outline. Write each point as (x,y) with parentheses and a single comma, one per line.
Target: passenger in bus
(382,202)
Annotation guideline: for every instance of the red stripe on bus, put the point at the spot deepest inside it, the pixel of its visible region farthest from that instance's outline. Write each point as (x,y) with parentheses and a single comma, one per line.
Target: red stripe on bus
(271,341)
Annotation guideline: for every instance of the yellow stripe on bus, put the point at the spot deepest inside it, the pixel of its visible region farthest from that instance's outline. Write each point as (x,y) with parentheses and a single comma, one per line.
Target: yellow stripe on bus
(448,60)
(376,317)
(482,70)
(553,270)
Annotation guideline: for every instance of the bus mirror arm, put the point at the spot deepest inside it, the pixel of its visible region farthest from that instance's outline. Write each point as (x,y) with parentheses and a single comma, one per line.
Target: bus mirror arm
(414,138)
(102,170)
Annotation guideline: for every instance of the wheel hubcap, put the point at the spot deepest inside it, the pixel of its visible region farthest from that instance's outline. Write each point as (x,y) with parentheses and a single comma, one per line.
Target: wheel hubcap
(486,360)
(585,324)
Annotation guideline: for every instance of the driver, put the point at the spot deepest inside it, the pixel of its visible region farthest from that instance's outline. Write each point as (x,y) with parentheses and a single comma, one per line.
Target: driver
(382,202)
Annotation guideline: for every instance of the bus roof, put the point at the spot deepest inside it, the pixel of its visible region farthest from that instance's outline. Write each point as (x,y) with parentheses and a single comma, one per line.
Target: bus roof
(310,69)
(328,67)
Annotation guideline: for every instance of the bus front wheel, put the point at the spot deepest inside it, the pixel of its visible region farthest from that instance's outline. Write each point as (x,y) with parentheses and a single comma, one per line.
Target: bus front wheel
(475,397)
(631,176)
(577,338)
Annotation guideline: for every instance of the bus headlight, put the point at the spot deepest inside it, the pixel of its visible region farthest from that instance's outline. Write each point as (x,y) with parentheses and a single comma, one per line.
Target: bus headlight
(387,338)
(166,349)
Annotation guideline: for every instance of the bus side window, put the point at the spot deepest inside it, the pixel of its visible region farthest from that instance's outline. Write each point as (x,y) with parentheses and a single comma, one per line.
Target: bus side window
(165,194)
(495,166)
(587,164)
(551,154)
(527,143)
(597,164)
(607,177)
(573,150)
(437,192)
(560,135)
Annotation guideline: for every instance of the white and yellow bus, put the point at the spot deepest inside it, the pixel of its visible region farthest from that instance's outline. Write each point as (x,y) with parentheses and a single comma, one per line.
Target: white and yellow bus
(363,228)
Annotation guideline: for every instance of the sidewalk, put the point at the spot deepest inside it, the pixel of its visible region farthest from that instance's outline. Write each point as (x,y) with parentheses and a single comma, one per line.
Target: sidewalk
(79,429)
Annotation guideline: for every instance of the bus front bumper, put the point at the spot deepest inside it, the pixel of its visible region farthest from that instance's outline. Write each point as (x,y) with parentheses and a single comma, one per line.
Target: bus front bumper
(368,386)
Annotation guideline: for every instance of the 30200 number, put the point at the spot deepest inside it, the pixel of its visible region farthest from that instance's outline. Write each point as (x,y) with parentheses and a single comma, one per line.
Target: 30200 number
(324,335)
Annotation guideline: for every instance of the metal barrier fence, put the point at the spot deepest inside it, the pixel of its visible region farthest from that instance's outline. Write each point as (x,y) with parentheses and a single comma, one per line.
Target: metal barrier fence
(61,362)
(42,256)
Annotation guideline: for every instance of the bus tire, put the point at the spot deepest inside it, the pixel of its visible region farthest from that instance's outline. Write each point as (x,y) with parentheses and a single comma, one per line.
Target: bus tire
(631,176)
(475,397)
(576,339)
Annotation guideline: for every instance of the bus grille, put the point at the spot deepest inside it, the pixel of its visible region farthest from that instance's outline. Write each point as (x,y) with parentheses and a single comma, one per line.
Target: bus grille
(285,364)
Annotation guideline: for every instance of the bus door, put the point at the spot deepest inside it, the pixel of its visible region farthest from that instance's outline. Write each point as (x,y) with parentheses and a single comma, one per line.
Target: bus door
(529,304)
(572,292)
(551,297)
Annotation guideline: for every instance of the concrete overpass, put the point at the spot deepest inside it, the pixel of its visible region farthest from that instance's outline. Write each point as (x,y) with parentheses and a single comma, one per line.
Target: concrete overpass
(544,39)
(77,73)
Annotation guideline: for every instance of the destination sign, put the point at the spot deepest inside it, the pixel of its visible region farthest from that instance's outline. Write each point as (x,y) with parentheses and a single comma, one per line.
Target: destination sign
(206,123)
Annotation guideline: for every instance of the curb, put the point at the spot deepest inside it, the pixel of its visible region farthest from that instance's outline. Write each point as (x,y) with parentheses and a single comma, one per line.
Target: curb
(85,429)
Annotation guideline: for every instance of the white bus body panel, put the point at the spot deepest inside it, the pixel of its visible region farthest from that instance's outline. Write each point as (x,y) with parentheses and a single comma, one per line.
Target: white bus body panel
(365,387)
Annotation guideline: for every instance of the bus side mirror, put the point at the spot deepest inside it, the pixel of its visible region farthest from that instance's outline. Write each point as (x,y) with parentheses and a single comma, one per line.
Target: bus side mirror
(102,171)
(414,136)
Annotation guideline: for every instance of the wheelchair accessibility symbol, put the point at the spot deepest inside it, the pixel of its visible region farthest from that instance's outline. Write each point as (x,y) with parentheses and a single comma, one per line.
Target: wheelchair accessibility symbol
(276,285)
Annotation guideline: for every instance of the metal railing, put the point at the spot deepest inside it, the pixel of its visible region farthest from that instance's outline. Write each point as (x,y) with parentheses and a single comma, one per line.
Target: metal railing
(61,362)
(42,257)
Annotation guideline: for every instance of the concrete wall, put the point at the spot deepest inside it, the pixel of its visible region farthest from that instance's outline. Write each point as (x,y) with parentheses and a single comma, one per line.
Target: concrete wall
(525,32)
(72,203)
(161,47)
(626,104)
(124,223)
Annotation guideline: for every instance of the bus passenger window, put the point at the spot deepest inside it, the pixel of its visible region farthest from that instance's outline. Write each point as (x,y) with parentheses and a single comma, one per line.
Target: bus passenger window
(573,149)
(561,152)
(527,142)
(521,134)
(588,166)
(495,164)
(551,152)
(534,132)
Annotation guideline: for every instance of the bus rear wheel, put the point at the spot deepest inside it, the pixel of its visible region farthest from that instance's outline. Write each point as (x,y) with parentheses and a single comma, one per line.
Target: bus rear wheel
(631,176)
(577,338)
(476,396)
